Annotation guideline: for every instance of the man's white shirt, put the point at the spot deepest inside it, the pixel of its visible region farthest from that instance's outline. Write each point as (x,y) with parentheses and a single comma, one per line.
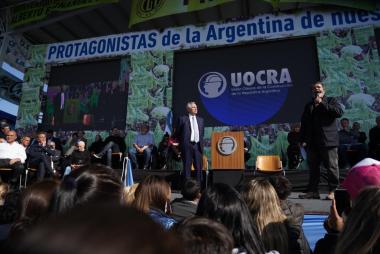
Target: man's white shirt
(12,151)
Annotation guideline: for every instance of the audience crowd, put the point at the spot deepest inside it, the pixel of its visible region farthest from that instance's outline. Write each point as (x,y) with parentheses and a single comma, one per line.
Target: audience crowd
(74,204)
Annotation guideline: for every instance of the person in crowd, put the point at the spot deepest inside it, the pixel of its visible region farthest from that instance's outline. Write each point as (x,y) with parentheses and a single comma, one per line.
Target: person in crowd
(25,141)
(319,135)
(97,145)
(12,155)
(113,144)
(152,196)
(374,140)
(363,175)
(55,156)
(167,152)
(98,229)
(143,144)
(79,158)
(5,128)
(189,132)
(8,215)
(129,193)
(277,233)
(59,103)
(57,141)
(186,206)
(39,156)
(224,204)
(35,202)
(4,189)
(359,233)
(87,185)
(294,150)
(346,139)
(203,236)
(359,136)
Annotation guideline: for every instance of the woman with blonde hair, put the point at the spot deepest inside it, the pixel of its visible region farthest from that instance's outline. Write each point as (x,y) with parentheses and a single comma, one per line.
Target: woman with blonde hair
(264,205)
(152,196)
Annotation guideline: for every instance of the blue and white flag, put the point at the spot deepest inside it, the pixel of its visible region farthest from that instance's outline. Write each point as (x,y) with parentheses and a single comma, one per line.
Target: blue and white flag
(128,178)
(169,122)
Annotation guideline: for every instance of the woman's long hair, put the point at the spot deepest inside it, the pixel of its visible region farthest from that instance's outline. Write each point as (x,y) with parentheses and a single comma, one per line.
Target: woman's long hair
(223,204)
(152,192)
(90,184)
(361,233)
(264,205)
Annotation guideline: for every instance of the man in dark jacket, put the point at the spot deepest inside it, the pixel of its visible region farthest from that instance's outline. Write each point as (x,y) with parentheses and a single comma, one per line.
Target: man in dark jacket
(113,144)
(319,134)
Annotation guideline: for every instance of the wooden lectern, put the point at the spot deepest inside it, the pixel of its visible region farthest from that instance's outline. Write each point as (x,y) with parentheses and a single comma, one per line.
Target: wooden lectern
(227,150)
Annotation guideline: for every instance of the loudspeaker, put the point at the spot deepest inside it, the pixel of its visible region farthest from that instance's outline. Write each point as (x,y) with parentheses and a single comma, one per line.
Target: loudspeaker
(233,178)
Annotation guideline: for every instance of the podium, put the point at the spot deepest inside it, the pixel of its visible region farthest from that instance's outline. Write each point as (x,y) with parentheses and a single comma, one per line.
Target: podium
(227,150)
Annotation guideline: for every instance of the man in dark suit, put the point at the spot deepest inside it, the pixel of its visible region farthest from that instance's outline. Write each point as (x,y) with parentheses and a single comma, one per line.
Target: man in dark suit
(319,134)
(189,132)
(186,206)
(59,106)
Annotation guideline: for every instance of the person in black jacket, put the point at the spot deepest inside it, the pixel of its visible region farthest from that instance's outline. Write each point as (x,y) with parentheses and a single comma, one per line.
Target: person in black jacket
(319,135)
(113,144)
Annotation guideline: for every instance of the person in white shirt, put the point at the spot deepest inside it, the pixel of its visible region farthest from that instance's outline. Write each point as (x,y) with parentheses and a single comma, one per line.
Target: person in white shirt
(12,155)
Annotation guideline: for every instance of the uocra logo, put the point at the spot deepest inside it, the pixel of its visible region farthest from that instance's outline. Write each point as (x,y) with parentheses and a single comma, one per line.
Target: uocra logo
(147,8)
(212,84)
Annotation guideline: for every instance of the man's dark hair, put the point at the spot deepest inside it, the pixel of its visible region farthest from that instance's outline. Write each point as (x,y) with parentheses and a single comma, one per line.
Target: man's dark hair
(201,235)
(190,189)
(282,186)
(344,119)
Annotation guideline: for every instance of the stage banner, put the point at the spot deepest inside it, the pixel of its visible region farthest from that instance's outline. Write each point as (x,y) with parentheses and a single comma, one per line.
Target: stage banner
(37,10)
(363,4)
(249,84)
(144,10)
(261,27)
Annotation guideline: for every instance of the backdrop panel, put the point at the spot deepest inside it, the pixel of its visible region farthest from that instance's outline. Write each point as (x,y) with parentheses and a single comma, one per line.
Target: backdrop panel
(248,84)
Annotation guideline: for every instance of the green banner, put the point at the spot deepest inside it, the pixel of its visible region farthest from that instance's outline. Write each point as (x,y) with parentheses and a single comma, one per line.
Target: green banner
(38,10)
(368,5)
(143,10)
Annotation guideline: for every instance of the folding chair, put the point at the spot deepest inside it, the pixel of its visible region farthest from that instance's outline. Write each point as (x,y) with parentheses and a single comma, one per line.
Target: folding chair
(269,164)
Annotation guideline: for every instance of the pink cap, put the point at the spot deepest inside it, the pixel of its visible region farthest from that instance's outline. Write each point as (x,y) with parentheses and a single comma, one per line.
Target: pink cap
(361,176)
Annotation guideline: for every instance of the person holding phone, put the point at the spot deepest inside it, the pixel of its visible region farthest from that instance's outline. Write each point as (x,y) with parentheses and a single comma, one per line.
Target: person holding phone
(79,158)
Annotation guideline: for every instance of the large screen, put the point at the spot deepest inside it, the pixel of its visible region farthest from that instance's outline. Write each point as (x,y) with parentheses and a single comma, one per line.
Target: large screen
(86,96)
(252,84)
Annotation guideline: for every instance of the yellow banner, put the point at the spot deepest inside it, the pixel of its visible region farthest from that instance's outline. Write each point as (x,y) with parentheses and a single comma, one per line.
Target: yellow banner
(143,10)
(34,11)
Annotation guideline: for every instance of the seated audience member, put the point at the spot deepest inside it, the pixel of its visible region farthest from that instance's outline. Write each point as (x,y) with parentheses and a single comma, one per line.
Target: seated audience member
(35,202)
(25,141)
(374,140)
(346,139)
(294,151)
(143,145)
(168,152)
(97,145)
(224,204)
(276,231)
(113,144)
(363,175)
(186,206)
(152,196)
(79,158)
(39,156)
(203,236)
(359,136)
(98,229)
(12,155)
(57,141)
(81,136)
(55,156)
(5,128)
(93,184)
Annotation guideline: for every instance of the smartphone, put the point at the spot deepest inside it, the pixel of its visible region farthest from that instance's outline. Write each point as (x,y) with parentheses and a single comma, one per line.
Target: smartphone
(342,201)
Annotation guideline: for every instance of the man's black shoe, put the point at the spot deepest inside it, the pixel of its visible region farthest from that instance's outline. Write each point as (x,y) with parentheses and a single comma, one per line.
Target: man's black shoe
(310,195)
